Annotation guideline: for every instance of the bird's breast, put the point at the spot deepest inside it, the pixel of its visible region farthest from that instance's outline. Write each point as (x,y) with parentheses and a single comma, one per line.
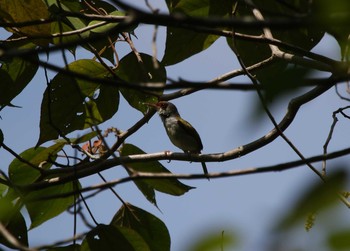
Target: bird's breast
(180,137)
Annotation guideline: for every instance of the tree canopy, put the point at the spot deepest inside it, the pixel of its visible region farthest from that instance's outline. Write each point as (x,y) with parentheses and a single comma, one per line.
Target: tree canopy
(75,48)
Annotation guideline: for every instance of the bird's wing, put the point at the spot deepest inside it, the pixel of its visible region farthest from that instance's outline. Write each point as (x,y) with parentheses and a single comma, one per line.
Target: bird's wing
(186,126)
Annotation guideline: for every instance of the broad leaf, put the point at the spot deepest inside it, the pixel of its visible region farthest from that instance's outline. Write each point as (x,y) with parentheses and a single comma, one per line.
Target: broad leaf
(110,238)
(68,23)
(152,229)
(104,44)
(133,71)
(14,222)
(80,139)
(41,210)
(334,18)
(319,196)
(252,52)
(147,186)
(21,173)
(106,26)
(182,43)
(15,74)
(339,240)
(17,11)
(71,104)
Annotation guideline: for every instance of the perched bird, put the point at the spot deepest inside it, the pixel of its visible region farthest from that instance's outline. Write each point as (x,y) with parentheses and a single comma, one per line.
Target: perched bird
(181,133)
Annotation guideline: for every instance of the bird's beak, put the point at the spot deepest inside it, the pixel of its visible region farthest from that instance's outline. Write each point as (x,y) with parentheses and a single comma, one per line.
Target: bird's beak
(152,105)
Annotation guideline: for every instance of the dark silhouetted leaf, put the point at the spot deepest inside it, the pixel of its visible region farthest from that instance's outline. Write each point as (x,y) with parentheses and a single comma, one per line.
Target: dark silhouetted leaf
(15,74)
(111,238)
(147,186)
(71,104)
(334,18)
(181,43)
(43,210)
(132,71)
(152,229)
(253,52)
(13,220)
(1,138)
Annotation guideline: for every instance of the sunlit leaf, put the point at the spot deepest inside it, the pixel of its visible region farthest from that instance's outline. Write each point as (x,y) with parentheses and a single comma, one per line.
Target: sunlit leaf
(21,173)
(68,23)
(17,11)
(152,229)
(133,71)
(182,43)
(106,26)
(110,238)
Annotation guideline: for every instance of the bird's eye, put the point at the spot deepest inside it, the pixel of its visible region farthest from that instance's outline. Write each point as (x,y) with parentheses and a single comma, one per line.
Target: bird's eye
(163,105)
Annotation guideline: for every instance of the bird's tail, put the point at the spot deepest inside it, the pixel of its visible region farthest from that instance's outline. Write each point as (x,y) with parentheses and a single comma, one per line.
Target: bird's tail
(205,170)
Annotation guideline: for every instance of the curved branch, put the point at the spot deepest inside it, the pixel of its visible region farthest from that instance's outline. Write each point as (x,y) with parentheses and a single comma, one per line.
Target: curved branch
(59,176)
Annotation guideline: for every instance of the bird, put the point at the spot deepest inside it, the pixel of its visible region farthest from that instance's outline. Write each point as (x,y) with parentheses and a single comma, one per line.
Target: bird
(180,132)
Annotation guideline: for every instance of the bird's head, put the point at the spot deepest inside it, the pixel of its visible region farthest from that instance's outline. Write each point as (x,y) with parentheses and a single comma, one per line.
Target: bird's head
(165,108)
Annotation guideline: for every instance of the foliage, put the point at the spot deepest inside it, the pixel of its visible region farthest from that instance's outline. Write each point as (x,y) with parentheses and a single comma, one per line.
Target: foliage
(272,41)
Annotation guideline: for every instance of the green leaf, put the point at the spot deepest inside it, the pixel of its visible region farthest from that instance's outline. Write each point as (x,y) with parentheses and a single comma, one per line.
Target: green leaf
(252,52)
(80,139)
(319,196)
(292,79)
(17,11)
(41,210)
(135,72)
(215,240)
(151,228)
(339,240)
(103,45)
(67,23)
(56,28)
(182,44)
(71,104)
(107,25)
(14,222)
(110,238)
(21,173)
(146,186)
(74,23)
(16,73)
(334,17)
